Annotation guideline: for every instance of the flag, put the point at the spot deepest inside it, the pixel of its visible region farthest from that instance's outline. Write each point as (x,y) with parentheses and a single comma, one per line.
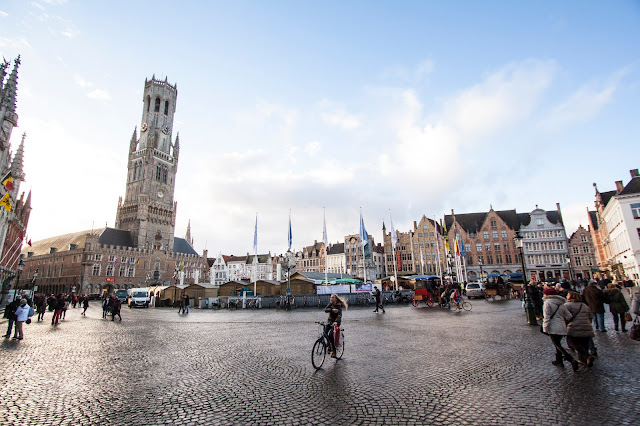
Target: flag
(364,239)
(394,236)
(182,266)
(6,202)
(290,236)
(255,235)
(7,181)
(457,247)
(325,240)
(29,242)
(462,247)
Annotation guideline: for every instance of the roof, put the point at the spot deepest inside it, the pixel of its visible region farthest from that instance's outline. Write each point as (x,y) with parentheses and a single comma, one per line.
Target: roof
(472,222)
(633,187)
(116,237)
(180,245)
(320,275)
(262,258)
(606,197)
(337,248)
(594,219)
(232,258)
(60,242)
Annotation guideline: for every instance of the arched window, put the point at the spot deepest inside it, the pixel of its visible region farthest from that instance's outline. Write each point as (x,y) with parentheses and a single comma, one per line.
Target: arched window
(157,107)
(166,107)
(148,102)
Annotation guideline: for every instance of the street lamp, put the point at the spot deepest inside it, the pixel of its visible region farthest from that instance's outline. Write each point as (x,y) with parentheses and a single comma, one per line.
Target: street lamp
(481,273)
(568,260)
(18,273)
(288,263)
(528,304)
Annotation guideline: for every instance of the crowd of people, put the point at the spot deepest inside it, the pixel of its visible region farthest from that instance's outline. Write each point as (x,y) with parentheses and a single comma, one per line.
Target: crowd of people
(575,311)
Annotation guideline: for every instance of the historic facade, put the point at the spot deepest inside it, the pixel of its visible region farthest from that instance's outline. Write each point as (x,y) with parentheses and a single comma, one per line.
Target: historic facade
(141,250)
(618,217)
(16,209)
(582,254)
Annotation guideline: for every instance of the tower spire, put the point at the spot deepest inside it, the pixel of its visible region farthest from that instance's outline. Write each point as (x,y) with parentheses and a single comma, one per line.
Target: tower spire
(17,162)
(11,88)
(134,139)
(188,235)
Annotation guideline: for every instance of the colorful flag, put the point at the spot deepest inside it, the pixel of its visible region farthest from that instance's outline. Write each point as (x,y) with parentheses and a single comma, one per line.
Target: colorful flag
(462,247)
(364,239)
(7,181)
(255,235)
(325,240)
(457,247)
(394,236)
(29,242)
(290,236)
(6,202)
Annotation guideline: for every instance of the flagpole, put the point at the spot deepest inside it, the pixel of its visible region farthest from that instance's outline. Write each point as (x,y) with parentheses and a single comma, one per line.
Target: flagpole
(394,237)
(255,258)
(438,266)
(9,250)
(362,237)
(326,246)
(413,259)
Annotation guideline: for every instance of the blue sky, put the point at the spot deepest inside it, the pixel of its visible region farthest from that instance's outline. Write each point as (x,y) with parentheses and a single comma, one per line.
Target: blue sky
(413,108)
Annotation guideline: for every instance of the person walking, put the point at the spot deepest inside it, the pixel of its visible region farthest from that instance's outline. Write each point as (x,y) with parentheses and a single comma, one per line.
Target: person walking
(555,317)
(595,299)
(10,315)
(115,306)
(59,306)
(579,329)
(376,294)
(635,300)
(22,314)
(65,307)
(617,305)
(41,307)
(185,303)
(85,305)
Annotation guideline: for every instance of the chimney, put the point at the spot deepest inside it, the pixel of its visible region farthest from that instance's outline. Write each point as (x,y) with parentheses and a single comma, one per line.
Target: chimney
(619,186)
(634,173)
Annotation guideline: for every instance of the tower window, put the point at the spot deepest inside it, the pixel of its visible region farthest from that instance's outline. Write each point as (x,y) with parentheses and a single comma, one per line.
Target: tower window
(148,102)
(166,107)
(157,107)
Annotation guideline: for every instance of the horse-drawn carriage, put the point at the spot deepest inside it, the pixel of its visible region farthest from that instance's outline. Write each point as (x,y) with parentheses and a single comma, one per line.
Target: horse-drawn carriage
(426,290)
(498,287)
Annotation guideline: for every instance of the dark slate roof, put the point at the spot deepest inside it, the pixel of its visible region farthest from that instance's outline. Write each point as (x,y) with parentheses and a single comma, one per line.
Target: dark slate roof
(233,258)
(524,219)
(606,197)
(337,248)
(320,275)
(262,258)
(633,187)
(594,219)
(116,237)
(472,222)
(180,245)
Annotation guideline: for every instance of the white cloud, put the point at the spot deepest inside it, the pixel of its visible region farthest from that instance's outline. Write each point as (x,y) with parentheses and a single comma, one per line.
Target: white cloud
(409,75)
(99,94)
(80,81)
(3,13)
(585,103)
(14,43)
(341,119)
(312,148)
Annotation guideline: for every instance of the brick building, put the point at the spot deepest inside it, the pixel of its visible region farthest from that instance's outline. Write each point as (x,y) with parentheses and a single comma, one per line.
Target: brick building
(582,254)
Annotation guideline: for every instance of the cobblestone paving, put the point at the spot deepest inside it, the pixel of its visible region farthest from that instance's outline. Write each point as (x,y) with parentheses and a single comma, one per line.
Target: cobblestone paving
(408,366)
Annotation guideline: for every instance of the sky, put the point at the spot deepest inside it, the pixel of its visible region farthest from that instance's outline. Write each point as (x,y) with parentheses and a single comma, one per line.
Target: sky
(327,109)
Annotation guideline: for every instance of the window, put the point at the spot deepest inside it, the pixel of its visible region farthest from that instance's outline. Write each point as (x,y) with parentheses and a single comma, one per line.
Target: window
(583,238)
(157,107)
(98,257)
(499,259)
(166,107)
(469,260)
(504,233)
(539,222)
(485,234)
(479,246)
(489,260)
(576,250)
(487,246)
(496,246)
(96,270)
(480,260)
(495,235)
(493,224)
(109,270)
(508,258)
(578,261)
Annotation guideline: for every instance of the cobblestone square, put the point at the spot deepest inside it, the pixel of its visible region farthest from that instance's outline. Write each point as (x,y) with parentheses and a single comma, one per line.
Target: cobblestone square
(408,366)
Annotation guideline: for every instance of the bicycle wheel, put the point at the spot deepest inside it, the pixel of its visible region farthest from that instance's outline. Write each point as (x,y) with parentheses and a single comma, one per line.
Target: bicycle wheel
(429,301)
(318,353)
(466,306)
(415,302)
(340,348)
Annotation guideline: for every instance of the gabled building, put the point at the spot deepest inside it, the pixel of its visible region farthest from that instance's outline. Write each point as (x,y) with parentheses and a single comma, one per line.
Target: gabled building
(582,254)
(618,217)
(311,258)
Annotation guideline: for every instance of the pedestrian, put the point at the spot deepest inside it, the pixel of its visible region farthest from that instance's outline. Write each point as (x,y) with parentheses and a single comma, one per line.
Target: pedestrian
(376,294)
(554,324)
(617,305)
(594,297)
(85,305)
(185,300)
(59,306)
(64,308)
(635,300)
(51,303)
(181,305)
(41,307)
(10,315)
(115,309)
(579,328)
(22,314)
(74,301)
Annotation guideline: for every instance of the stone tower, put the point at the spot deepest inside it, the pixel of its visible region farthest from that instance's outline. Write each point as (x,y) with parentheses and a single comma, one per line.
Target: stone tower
(148,210)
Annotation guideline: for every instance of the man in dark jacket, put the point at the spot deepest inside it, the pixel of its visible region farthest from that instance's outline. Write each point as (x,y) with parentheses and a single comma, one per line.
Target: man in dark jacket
(595,299)
(58,309)
(377,296)
(10,314)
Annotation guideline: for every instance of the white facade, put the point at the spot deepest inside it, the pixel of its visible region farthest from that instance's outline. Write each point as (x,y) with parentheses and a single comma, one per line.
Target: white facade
(545,247)
(219,271)
(622,216)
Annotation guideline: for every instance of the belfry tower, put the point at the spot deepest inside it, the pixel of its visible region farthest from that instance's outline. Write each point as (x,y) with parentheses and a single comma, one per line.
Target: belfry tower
(148,210)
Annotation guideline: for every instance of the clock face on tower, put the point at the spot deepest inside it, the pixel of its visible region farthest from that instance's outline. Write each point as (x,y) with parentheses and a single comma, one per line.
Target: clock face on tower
(144,127)
(160,194)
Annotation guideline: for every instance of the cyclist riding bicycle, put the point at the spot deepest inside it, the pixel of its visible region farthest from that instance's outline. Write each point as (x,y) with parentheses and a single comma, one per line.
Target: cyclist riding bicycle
(455,297)
(334,308)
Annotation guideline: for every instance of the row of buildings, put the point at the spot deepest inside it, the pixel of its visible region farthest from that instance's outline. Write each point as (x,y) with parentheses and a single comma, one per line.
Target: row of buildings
(142,249)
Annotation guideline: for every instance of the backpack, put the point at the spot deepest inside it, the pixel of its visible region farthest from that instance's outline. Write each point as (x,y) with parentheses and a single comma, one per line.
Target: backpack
(634,332)
(31,311)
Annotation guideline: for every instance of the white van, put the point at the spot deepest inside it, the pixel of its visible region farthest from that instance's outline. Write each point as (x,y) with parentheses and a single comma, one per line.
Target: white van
(139,297)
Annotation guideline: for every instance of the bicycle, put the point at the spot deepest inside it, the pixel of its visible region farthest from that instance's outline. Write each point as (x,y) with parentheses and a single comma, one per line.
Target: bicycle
(322,346)
(459,306)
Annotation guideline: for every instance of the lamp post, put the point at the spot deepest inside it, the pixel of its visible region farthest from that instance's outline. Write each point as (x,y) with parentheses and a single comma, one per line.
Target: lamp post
(481,273)
(528,304)
(288,263)
(18,273)
(34,287)
(568,260)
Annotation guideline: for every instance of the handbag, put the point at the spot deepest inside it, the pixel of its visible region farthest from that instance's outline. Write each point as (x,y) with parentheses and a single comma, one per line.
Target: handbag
(627,317)
(554,314)
(28,321)
(634,332)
